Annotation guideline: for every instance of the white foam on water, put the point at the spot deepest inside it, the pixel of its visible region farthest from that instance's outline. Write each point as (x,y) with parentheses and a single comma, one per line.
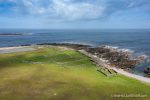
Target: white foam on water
(118,49)
(129,51)
(126,50)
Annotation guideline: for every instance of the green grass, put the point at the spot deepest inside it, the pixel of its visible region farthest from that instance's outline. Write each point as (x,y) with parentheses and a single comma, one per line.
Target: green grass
(54,74)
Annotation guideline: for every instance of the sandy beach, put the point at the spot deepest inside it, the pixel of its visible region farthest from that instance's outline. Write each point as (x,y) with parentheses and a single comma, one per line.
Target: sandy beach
(16,49)
(103,63)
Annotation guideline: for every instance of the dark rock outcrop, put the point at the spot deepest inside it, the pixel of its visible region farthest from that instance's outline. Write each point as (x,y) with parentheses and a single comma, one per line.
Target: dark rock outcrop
(147,71)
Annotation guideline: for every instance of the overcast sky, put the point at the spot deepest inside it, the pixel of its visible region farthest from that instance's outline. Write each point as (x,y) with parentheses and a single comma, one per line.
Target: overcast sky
(86,14)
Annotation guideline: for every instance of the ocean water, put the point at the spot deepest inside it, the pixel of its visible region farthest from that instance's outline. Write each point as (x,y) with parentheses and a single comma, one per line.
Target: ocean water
(135,40)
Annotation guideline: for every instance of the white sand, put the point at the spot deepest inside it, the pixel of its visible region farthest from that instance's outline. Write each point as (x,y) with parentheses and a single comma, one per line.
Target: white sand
(8,48)
(16,49)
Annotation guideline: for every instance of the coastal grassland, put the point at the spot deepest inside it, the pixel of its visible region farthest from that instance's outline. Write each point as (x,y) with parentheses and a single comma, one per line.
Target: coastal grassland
(59,74)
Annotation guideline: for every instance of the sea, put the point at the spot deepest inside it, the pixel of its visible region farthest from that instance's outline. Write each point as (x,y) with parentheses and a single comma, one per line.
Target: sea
(134,40)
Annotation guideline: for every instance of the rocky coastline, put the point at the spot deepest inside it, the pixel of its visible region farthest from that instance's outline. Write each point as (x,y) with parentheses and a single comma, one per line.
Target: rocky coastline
(103,56)
(115,57)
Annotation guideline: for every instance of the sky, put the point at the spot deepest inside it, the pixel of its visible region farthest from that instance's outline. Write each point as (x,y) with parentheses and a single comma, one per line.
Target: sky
(75,14)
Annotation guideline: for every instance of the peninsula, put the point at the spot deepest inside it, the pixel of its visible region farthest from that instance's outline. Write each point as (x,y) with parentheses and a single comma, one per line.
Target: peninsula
(62,72)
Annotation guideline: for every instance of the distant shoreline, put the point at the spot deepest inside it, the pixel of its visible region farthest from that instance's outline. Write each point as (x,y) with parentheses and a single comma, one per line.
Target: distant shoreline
(10,34)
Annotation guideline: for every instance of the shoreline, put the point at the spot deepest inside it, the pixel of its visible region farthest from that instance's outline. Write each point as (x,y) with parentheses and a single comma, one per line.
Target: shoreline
(101,62)
(13,47)
(5,50)
(96,59)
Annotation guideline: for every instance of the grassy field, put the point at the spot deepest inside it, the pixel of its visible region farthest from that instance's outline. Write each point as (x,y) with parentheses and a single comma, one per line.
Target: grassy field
(58,74)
